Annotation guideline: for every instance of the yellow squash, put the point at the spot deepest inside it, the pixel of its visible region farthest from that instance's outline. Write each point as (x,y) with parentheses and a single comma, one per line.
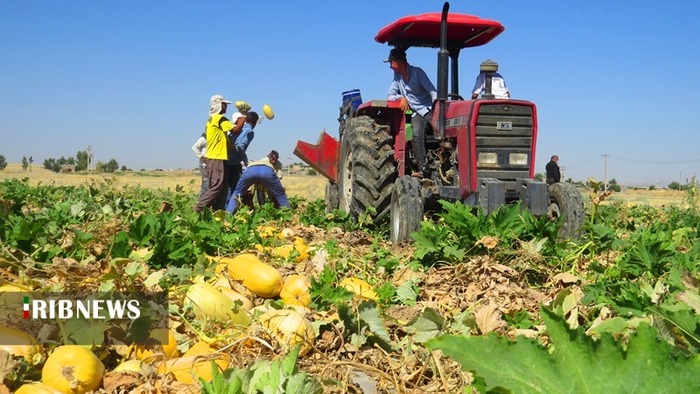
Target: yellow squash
(36,388)
(268,112)
(260,278)
(295,290)
(195,364)
(73,369)
(361,288)
(160,345)
(289,328)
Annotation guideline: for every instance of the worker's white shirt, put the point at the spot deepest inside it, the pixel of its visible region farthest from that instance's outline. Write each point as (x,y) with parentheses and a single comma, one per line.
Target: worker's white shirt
(498,86)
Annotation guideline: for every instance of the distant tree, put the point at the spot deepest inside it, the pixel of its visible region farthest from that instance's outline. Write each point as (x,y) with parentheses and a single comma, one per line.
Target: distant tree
(540,176)
(311,172)
(55,165)
(81,159)
(25,163)
(652,187)
(31,161)
(3,162)
(49,164)
(675,186)
(612,185)
(111,166)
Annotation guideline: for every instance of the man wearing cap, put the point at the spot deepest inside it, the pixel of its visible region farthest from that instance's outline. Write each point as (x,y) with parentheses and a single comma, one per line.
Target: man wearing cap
(413,89)
(262,172)
(216,130)
(237,157)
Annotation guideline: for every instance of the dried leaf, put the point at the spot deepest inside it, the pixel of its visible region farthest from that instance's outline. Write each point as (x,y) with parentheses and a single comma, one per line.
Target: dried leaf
(7,364)
(566,278)
(488,318)
(488,242)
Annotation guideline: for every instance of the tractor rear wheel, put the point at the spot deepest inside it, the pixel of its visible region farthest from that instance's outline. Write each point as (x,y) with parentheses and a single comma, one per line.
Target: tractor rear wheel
(366,173)
(565,201)
(331,197)
(406,208)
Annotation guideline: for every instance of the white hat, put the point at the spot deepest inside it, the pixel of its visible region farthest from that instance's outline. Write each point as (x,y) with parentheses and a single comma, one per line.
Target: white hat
(217,99)
(235,116)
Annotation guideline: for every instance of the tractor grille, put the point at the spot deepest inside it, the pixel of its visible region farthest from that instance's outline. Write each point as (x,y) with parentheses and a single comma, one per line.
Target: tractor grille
(504,138)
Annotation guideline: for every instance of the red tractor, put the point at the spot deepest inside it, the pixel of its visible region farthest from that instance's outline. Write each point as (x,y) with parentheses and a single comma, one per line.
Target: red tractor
(481,152)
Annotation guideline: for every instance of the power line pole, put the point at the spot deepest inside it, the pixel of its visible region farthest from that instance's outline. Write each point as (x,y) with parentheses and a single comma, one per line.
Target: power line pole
(605,173)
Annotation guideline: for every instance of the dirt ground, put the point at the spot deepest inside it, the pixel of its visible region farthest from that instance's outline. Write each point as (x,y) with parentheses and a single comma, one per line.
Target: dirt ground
(308,187)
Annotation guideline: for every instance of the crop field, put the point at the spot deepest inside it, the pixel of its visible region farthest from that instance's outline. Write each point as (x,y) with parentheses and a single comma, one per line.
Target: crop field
(307,301)
(307,187)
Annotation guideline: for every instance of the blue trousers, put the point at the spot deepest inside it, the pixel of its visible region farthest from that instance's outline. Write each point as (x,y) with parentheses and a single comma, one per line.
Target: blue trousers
(263,175)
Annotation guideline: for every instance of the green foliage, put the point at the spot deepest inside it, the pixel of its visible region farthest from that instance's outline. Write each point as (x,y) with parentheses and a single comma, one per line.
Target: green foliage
(364,325)
(279,376)
(324,290)
(575,362)
(3,162)
(460,228)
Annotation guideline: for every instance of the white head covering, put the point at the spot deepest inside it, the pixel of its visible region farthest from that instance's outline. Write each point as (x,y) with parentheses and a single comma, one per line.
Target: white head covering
(215,104)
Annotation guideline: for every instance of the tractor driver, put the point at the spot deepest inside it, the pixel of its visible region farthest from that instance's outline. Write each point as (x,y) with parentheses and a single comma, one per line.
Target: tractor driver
(413,89)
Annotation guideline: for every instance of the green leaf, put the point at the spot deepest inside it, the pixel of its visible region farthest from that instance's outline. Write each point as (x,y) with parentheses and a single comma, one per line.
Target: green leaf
(407,293)
(302,383)
(84,331)
(369,313)
(576,363)
(426,325)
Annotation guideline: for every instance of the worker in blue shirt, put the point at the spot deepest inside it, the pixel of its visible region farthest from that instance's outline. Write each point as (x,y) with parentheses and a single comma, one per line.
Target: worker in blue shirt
(413,89)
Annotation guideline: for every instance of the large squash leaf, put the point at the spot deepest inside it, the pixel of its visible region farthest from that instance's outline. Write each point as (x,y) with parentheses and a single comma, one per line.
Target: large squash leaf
(576,363)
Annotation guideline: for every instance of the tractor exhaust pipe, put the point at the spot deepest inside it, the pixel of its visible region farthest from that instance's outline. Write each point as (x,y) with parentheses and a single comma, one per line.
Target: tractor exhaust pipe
(443,58)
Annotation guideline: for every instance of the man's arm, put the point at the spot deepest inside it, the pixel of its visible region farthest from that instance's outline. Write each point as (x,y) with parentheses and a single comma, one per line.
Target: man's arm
(478,85)
(394,92)
(242,145)
(199,146)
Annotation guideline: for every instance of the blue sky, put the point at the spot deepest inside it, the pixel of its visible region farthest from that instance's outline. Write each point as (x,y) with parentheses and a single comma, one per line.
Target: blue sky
(132,78)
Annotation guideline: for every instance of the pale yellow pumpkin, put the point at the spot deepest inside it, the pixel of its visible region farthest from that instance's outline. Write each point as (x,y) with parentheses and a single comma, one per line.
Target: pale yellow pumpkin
(21,344)
(72,369)
(236,296)
(260,278)
(160,345)
(289,328)
(207,301)
(296,290)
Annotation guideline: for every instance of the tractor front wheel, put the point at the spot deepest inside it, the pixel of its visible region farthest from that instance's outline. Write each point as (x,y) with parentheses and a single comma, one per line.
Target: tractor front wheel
(565,201)
(406,208)
(367,172)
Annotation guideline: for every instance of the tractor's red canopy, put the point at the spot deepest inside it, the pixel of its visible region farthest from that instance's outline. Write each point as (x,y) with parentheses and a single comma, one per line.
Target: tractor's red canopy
(424,31)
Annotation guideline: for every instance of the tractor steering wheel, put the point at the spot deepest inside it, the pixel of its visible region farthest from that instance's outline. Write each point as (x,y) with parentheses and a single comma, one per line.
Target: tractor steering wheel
(455,96)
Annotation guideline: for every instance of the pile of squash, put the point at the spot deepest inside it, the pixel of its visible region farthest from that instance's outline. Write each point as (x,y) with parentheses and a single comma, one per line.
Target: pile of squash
(76,369)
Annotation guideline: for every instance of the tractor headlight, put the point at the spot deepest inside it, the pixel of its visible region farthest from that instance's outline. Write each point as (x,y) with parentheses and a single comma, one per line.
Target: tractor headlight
(518,159)
(488,158)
